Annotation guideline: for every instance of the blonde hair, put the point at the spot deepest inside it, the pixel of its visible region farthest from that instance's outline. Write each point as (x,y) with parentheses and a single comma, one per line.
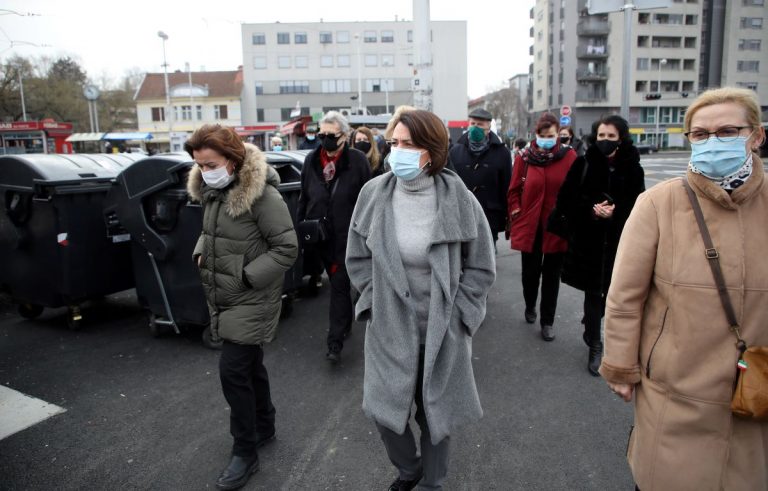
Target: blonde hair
(373,154)
(396,119)
(744,97)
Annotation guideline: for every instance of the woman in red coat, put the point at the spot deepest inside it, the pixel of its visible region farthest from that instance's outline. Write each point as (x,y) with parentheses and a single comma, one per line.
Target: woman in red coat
(536,179)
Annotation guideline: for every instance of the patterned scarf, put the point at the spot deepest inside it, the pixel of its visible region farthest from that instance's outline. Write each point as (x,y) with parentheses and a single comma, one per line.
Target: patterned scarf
(735,180)
(329,164)
(480,147)
(533,155)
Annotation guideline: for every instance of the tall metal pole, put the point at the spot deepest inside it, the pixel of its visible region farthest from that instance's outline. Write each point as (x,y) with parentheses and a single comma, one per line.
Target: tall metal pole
(422,97)
(90,114)
(662,62)
(96,115)
(23,105)
(626,61)
(359,76)
(168,108)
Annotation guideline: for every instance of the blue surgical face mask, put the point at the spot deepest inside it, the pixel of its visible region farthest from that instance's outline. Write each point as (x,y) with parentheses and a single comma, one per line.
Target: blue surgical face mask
(277,148)
(717,159)
(310,137)
(545,143)
(405,163)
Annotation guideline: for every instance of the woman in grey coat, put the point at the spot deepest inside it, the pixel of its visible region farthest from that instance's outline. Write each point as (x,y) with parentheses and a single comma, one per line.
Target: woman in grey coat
(421,256)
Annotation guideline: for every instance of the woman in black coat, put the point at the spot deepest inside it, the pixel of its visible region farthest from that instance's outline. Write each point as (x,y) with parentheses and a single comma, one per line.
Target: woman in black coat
(331,179)
(596,198)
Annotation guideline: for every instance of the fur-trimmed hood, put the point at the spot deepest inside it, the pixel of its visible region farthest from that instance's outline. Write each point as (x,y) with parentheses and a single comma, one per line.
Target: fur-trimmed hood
(247,187)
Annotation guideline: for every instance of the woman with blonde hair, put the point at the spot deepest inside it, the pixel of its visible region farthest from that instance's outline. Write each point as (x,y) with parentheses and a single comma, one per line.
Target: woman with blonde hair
(364,141)
(669,341)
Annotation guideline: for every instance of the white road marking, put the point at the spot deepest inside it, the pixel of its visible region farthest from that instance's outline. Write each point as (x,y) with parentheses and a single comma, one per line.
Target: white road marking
(19,411)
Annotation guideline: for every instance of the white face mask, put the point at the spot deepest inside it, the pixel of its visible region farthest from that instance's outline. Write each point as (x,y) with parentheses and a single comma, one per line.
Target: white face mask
(218,178)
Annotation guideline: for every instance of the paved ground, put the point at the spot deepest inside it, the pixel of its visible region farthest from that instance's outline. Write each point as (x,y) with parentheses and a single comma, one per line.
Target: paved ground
(145,413)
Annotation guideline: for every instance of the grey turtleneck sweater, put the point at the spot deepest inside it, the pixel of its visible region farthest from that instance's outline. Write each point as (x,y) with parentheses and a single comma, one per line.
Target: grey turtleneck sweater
(414,204)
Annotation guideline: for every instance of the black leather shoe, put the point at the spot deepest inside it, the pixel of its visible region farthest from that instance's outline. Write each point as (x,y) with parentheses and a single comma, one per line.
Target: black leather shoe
(403,485)
(333,356)
(237,472)
(530,316)
(595,357)
(547,333)
(264,438)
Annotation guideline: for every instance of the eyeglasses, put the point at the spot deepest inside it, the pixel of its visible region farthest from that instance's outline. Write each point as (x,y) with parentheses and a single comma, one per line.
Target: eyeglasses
(724,134)
(329,135)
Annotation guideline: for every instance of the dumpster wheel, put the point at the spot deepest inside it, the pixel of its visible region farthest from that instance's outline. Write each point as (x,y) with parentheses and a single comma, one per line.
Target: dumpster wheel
(208,342)
(74,318)
(30,310)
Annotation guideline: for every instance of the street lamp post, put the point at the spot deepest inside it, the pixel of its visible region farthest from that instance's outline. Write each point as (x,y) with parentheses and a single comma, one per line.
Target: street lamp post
(23,105)
(168,109)
(359,76)
(662,62)
(386,87)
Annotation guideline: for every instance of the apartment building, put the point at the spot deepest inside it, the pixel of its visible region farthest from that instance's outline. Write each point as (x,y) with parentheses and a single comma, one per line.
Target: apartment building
(310,68)
(676,53)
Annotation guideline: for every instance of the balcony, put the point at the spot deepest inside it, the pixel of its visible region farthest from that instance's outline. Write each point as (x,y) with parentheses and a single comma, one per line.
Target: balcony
(593,27)
(591,75)
(592,52)
(587,95)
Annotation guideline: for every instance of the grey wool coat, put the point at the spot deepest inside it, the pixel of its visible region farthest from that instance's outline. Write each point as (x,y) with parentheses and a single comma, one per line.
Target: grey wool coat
(463,266)
(247,243)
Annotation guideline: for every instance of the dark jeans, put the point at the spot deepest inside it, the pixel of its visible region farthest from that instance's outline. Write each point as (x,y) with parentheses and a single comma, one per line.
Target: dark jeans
(245,384)
(401,449)
(547,267)
(594,310)
(341,311)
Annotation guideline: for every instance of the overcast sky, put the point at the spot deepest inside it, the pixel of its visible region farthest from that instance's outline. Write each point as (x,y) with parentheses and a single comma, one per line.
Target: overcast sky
(108,37)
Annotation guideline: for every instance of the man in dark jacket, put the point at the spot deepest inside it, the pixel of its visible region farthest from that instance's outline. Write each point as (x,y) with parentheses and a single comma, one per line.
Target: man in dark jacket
(484,163)
(310,141)
(331,179)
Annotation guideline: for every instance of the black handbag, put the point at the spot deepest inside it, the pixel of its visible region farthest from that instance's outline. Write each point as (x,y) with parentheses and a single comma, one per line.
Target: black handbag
(312,231)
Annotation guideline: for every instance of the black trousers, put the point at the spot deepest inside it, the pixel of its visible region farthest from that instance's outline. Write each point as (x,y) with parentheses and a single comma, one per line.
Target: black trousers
(341,310)
(545,267)
(245,384)
(594,310)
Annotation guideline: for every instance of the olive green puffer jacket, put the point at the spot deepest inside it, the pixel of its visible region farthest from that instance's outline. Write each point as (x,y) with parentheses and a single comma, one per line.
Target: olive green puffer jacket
(247,244)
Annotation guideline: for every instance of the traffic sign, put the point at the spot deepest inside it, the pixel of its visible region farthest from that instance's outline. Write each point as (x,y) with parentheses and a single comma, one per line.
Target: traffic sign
(565,121)
(565,111)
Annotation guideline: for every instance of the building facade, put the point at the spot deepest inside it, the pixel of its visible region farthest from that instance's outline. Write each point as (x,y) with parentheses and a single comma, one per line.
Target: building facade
(364,67)
(677,52)
(197,98)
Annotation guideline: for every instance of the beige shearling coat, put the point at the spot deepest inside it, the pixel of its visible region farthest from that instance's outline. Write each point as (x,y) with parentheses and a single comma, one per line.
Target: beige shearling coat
(665,329)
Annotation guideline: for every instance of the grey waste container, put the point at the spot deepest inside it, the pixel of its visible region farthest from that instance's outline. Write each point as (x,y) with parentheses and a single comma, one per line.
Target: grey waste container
(54,248)
(149,202)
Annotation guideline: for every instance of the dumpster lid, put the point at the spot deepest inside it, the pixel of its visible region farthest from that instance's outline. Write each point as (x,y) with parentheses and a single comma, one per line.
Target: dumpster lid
(26,169)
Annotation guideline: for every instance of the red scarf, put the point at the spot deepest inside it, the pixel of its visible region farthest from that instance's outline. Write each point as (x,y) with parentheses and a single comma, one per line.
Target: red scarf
(329,164)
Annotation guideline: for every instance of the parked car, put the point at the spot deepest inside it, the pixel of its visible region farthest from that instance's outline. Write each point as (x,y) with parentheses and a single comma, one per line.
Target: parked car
(646,148)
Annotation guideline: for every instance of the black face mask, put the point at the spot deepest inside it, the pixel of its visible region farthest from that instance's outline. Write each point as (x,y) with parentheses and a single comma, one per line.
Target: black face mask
(565,139)
(363,146)
(607,147)
(330,144)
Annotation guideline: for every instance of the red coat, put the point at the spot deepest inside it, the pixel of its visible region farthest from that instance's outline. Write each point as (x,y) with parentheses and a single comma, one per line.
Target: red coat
(539,197)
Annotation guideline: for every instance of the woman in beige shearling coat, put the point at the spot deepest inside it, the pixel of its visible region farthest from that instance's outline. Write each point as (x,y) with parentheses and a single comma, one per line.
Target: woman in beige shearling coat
(667,339)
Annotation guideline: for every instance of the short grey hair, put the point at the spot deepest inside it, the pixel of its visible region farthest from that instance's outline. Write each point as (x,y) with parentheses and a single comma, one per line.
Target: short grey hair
(335,117)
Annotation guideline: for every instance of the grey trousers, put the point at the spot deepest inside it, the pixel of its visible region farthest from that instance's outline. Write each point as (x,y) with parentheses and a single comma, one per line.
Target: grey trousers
(432,465)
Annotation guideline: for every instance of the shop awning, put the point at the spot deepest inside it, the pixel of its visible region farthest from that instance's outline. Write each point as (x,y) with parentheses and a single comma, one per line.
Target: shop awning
(128,136)
(85,137)
(458,123)
(291,128)
(255,130)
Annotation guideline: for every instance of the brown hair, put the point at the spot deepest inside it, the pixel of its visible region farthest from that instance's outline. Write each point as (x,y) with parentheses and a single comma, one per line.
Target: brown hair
(396,119)
(547,120)
(427,132)
(221,139)
(373,154)
(569,130)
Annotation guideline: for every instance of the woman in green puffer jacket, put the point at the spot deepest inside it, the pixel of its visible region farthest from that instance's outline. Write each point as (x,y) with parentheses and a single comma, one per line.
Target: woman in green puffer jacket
(247,244)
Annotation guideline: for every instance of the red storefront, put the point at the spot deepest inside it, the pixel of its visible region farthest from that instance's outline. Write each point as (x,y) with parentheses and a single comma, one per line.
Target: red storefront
(35,137)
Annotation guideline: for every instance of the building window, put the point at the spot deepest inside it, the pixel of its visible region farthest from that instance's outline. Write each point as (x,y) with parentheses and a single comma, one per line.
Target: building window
(751,22)
(387,60)
(371,60)
(259,88)
(410,60)
(665,42)
(379,84)
(648,115)
(186,113)
(748,66)
(301,61)
(326,37)
(747,85)
(689,64)
(667,18)
(643,18)
(259,62)
(642,63)
(300,38)
(176,115)
(369,36)
(641,86)
(284,62)
(691,20)
(540,35)
(387,36)
(342,60)
(283,38)
(158,114)
(259,38)
(749,44)
(294,87)
(410,36)
(326,61)
(199,112)
(538,94)
(335,86)
(259,115)
(220,111)
(342,37)
(753,3)
(688,86)
(690,42)
(642,41)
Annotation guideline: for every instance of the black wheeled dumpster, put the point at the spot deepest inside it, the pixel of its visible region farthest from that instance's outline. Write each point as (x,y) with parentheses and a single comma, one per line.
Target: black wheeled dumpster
(54,248)
(149,202)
